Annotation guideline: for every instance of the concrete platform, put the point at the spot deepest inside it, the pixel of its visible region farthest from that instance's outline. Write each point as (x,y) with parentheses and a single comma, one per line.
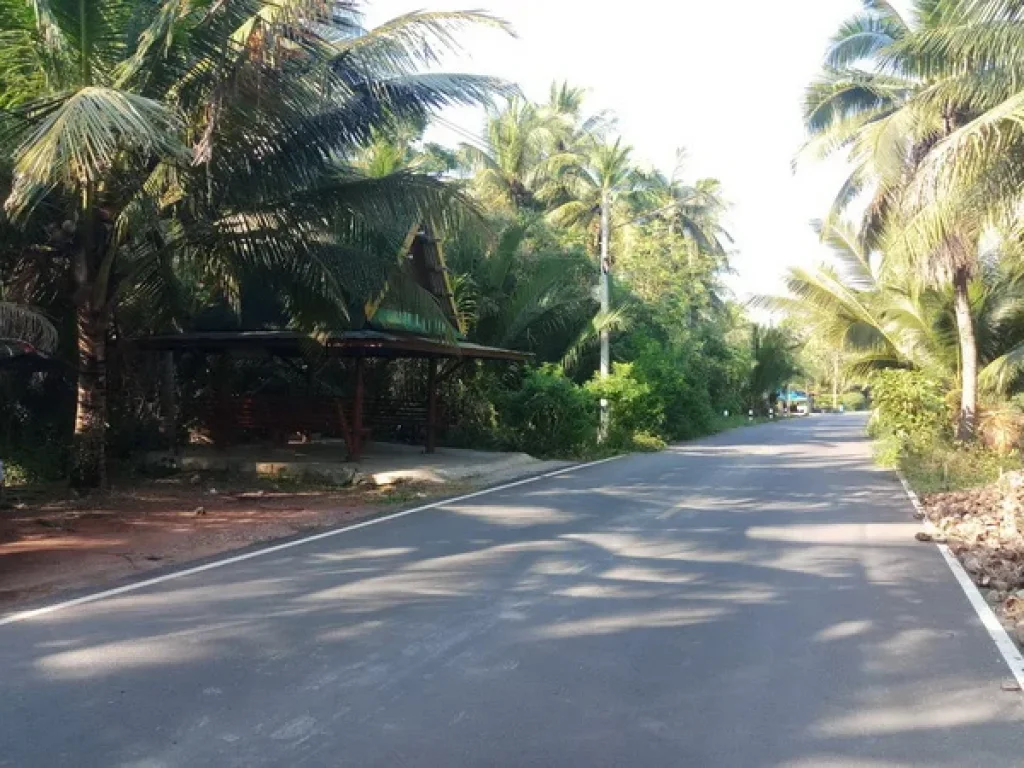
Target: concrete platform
(382,463)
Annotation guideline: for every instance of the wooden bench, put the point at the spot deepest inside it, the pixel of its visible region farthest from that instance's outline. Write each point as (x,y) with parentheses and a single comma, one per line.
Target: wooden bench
(277,418)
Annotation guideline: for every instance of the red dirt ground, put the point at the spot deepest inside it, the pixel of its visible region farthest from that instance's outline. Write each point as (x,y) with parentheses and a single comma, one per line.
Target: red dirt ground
(49,546)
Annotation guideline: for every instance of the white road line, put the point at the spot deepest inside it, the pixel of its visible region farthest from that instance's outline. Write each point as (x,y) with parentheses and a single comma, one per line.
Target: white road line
(1011,654)
(92,598)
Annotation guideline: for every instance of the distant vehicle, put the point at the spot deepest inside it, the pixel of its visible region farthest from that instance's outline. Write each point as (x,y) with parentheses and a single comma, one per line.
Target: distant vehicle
(794,401)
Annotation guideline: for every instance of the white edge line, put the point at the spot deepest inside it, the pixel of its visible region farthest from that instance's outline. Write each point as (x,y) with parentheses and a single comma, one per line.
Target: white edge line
(135,586)
(1007,647)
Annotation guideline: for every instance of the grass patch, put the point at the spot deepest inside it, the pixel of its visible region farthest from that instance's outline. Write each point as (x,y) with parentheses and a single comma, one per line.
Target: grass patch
(725,423)
(940,467)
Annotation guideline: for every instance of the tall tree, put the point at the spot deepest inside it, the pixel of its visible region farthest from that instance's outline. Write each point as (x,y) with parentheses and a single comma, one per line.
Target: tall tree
(904,94)
(212,135)
(694,210)
(894,319)
(600,170)
(518,163)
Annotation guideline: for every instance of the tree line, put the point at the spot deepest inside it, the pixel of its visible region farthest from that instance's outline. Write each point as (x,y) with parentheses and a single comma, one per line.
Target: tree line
(166,162)
(926,233)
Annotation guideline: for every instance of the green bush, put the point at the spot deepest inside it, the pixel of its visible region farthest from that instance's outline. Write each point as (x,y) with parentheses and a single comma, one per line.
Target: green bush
(689,413)
(853,401)
(635,408)
(889,452)
(914,425)
(909,407)
(644,442)
(472,397)
(548,415)
(678,377)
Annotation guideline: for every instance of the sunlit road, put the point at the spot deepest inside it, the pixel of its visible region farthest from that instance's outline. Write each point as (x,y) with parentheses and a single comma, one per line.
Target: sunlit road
(756,599)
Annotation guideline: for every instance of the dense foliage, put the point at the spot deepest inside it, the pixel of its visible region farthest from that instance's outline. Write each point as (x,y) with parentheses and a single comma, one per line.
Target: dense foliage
(240,164)
(547,414)
(924,103)
(908,406)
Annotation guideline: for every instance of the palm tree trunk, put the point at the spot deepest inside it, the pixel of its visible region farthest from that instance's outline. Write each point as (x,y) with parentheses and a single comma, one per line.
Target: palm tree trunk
(966,422)
(89,447)
(89,458)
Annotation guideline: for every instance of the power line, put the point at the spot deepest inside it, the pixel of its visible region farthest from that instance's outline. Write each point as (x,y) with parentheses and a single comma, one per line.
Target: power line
(471,137)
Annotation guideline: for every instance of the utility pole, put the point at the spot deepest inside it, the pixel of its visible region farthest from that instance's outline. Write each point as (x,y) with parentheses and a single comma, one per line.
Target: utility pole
(604,289)
(606,305)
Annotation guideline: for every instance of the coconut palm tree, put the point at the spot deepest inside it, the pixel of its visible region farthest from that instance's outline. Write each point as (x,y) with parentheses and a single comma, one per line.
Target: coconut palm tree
(919,101)
(570,129)
(878,320)
(773,353)
(695,210)
(514,294)
(601,171)
(515,166)
(886,319)
(212,138)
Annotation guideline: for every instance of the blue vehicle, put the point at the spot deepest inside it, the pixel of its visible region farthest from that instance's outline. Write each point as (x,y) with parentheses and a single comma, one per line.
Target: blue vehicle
(794,401)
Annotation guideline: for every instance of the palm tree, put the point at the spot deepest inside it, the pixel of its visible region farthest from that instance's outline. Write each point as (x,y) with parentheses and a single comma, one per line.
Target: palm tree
(884,320)
(213,138)
(603,171)
(514,294)
(919,101)
(695,210)
(400,150)
(514,167)
(877,320)
(773,353)
(570,129)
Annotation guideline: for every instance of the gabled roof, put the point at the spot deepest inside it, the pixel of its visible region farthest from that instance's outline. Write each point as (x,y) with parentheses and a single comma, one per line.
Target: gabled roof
(421,264)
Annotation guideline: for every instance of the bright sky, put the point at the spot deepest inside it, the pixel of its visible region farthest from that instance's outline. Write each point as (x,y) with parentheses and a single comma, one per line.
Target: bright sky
(724,79)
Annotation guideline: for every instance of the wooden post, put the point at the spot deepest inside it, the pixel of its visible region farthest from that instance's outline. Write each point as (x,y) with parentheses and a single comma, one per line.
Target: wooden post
(355,451)
(222,427)
(432,406)
(169,402)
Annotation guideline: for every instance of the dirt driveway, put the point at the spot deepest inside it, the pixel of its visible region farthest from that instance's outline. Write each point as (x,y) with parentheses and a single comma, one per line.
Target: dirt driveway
(51,545)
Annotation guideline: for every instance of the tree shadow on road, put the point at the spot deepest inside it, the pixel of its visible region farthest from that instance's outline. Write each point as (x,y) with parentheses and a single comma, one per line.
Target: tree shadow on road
(697,607)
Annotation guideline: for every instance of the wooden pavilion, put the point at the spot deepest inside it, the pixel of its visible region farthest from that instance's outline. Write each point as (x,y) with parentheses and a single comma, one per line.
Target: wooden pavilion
(388,332)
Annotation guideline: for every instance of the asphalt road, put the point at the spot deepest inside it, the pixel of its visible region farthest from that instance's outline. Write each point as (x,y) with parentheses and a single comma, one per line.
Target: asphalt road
(755,599)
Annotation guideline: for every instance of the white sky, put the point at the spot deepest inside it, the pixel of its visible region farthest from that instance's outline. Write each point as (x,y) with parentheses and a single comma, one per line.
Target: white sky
(723,79)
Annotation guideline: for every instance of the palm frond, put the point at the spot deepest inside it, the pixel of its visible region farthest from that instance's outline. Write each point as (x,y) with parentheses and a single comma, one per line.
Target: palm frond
(841,94)
(22,325)
(75,140)
(614,321)
(1003,373)
(862,37)
(413,40)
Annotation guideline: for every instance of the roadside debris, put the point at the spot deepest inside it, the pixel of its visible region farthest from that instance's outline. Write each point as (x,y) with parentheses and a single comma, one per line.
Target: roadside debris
(984,528)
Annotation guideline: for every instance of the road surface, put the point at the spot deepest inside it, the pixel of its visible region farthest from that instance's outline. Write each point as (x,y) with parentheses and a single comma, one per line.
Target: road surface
(755,599)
